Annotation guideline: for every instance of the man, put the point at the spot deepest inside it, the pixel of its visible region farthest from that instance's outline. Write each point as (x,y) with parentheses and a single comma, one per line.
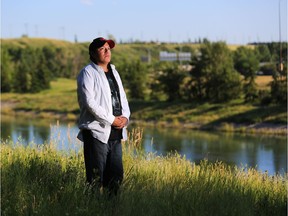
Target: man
(104,115)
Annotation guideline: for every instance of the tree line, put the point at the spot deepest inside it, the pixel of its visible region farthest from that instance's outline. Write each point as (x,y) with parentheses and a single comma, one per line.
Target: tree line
(215,73)
(30,69)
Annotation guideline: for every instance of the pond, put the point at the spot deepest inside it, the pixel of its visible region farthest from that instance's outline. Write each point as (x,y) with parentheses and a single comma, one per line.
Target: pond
(266,153)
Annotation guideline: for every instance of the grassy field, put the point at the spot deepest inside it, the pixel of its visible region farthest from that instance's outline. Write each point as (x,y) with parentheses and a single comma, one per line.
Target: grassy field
(263,82)
(58,102)
(39,180)
(61,102)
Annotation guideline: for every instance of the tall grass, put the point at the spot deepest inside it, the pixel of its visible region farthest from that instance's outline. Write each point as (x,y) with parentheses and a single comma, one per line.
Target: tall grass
(40,180)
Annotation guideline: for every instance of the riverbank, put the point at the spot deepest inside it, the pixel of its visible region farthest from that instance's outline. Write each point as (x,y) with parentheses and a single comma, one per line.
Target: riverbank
(271,128)
(49,182)
(256,128)
(60,102)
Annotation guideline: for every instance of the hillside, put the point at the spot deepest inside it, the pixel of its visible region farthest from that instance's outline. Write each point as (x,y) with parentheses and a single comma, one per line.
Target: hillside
(132,52)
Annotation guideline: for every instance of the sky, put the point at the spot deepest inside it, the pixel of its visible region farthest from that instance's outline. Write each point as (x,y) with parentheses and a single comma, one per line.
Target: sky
(232,21)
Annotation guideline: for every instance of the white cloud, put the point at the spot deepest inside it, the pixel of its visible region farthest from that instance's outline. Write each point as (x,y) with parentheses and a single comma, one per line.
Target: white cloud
(87,2)
(114,2)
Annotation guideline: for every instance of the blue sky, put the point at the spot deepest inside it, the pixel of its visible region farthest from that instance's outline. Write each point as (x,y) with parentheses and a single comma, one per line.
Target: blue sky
(233,21)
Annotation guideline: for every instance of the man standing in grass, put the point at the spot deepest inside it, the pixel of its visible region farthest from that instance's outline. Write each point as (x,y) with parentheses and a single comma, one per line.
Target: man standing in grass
(104,115)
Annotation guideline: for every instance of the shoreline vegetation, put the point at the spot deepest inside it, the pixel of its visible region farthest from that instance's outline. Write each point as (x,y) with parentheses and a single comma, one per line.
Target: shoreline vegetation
(60,103)
(47,181)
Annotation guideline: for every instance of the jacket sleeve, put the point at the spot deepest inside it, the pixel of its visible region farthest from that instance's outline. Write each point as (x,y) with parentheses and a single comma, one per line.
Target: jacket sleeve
(89,98)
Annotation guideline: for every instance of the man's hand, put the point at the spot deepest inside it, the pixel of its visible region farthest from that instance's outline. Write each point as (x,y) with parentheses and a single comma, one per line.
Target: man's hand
(124,121)
(120,122)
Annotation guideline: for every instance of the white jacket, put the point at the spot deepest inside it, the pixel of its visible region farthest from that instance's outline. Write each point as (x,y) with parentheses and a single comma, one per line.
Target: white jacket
(94,98)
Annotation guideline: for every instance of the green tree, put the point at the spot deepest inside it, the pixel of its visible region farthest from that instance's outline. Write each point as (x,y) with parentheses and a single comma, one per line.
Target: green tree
(6,71)
(279,86)
(213,76)
(51,63)
(246,63)
(171,80)
(40,75)
(134,75)
(23,74)
(263,53)
(32,74)
(275,50)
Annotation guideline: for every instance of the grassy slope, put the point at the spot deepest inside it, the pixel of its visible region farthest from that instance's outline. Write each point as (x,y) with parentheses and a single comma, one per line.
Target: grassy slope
(48,182)
(61,102)
(60,99)
(131,52)
(34,42)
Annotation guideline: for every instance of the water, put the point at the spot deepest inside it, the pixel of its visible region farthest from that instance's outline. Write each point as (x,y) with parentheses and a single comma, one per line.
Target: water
(265,153)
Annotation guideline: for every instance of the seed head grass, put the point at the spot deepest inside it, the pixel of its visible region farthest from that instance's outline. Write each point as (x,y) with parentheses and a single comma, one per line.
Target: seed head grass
(43,180)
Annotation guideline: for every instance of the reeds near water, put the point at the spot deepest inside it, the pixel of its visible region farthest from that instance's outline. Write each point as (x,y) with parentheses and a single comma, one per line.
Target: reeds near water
(41,180)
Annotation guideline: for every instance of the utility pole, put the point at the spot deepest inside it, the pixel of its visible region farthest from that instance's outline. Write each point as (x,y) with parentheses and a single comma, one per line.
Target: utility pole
(280,65)
(26,29)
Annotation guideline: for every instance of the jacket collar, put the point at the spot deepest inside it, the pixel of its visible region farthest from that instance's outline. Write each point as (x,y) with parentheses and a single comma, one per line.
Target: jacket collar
(98,68)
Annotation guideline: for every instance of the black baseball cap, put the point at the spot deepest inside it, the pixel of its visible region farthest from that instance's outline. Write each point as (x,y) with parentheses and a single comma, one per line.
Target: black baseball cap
(99,42)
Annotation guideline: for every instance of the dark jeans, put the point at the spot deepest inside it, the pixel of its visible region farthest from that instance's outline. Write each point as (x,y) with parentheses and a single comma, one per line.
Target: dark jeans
(103,162)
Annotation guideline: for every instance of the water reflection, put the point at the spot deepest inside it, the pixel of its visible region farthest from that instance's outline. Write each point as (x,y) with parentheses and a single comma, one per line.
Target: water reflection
(27,131)
(266,153)
(24,131)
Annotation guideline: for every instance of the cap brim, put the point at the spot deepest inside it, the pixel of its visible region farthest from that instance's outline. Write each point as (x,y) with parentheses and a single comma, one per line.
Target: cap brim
(111,43)
(99,42)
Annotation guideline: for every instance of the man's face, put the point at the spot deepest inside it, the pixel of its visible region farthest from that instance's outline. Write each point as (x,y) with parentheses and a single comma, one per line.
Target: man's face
(104,54)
